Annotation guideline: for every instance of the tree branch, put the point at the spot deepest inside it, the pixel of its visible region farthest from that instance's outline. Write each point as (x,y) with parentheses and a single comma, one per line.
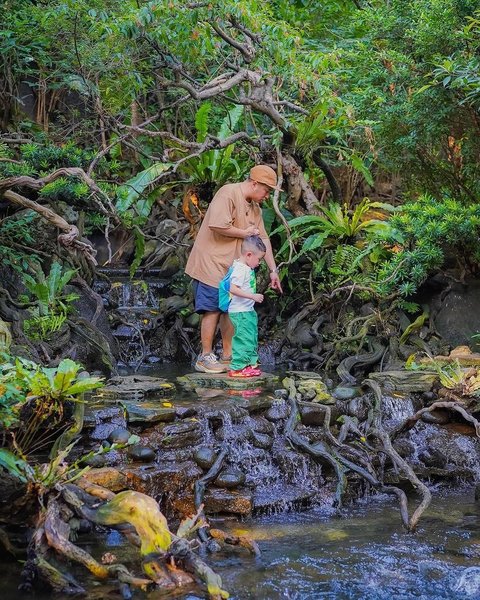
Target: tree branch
(69,237)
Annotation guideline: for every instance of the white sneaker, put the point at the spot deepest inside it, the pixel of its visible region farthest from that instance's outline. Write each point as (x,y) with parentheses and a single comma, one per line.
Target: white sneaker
(208,363)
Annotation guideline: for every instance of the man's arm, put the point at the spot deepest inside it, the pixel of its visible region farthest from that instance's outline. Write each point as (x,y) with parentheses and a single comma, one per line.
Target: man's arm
(235,232)
(270,260)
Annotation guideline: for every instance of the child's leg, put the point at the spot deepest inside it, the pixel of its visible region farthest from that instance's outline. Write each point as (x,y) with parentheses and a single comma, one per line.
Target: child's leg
(251,334)
(241,342)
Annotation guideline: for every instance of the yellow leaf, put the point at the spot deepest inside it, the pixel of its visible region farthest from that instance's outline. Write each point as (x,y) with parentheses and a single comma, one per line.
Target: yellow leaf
(335,534)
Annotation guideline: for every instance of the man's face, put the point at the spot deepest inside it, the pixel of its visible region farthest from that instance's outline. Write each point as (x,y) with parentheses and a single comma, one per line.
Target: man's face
(260,192)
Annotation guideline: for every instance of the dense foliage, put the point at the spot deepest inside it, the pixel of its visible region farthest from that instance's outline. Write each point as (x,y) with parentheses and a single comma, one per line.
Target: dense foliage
(120,114)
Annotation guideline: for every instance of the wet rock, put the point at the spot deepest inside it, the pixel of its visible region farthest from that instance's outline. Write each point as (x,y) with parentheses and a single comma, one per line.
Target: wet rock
(176,454)
(283,498)
(310,386)
(108,477)
(429,396)
(230,434)
(96,461)
(281,393)
(180,435)
(311,414)
(404,447)
(119,435)
(261,424)
(277,412)
(458,318)
(302,336)
(257,403)
(219,500)
(358,407)
(236,413)
(261,440)
(405,381)
(167,480)
(433,457)
(477,492)
(204,457)
(439,416)
(184,412)
(222,381)
(230,478)
(345,392)
(141,453)
(134,387)
(148,413)
(96,413)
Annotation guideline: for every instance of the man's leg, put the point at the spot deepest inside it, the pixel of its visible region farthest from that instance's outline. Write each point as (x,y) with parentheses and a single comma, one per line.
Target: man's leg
(226,329)
(206,303)
(208,329)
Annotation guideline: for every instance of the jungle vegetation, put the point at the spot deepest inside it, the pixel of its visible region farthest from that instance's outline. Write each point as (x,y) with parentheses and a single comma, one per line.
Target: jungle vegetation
(117,117)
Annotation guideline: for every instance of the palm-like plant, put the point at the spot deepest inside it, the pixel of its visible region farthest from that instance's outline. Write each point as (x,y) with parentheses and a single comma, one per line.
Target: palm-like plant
(337,225)
(214,167)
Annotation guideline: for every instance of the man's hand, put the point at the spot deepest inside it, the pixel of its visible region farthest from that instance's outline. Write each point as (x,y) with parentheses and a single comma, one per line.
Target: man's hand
(275,282)
(251,230)
(257,297)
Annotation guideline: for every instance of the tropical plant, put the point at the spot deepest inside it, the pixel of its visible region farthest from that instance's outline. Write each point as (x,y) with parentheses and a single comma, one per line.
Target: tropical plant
(51,305)
(214,167)
(336,225)
(34,399)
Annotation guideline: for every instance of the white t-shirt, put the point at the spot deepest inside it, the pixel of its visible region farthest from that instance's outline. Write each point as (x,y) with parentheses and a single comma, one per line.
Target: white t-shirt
(243,277)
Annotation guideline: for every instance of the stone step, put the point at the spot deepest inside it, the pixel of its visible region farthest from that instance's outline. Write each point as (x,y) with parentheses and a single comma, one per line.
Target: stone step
(222,380)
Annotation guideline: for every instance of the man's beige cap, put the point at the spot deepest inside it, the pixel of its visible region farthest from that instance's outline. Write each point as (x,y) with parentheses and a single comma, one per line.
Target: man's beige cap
(266,175)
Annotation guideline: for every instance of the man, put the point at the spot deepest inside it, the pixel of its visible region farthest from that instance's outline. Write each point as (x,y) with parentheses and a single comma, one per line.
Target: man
(234,214)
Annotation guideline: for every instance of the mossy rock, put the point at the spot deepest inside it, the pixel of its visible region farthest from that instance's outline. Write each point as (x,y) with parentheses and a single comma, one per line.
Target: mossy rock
(405,381)
(310,386)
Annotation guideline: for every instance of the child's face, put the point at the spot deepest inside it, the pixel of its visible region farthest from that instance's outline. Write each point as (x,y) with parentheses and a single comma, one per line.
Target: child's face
(253,259)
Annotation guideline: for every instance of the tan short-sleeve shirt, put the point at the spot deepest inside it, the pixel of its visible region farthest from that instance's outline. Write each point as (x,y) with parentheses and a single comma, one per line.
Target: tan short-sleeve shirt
(213,253)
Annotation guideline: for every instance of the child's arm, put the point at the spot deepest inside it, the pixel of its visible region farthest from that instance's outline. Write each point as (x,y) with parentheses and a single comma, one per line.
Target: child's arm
(236,291)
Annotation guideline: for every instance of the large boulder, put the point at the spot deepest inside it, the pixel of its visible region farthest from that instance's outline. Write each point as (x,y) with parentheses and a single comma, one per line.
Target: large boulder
(458,318)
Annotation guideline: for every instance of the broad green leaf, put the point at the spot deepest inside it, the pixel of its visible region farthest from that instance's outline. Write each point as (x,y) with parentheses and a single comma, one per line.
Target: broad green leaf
(129,192)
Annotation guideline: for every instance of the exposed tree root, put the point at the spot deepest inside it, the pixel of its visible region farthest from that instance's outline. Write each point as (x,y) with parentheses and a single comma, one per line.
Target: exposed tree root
(410,422)
(378,431)
(199,493)
(134,514)
(344,457)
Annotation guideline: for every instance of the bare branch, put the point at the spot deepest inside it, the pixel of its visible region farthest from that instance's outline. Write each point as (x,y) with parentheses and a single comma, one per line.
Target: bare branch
(38,184)
(247,50)
(255,37)
(70,235)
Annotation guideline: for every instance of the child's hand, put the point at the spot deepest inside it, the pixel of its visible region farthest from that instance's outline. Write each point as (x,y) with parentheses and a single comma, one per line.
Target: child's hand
(258,297)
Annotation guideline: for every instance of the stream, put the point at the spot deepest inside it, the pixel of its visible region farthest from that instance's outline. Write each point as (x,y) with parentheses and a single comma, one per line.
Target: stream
(361,552)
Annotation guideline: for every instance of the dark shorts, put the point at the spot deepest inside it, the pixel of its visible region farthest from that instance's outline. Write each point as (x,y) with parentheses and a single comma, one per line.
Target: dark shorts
(206,297)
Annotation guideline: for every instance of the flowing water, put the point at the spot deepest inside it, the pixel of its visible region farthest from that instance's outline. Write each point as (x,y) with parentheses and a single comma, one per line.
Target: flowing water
(360,553)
